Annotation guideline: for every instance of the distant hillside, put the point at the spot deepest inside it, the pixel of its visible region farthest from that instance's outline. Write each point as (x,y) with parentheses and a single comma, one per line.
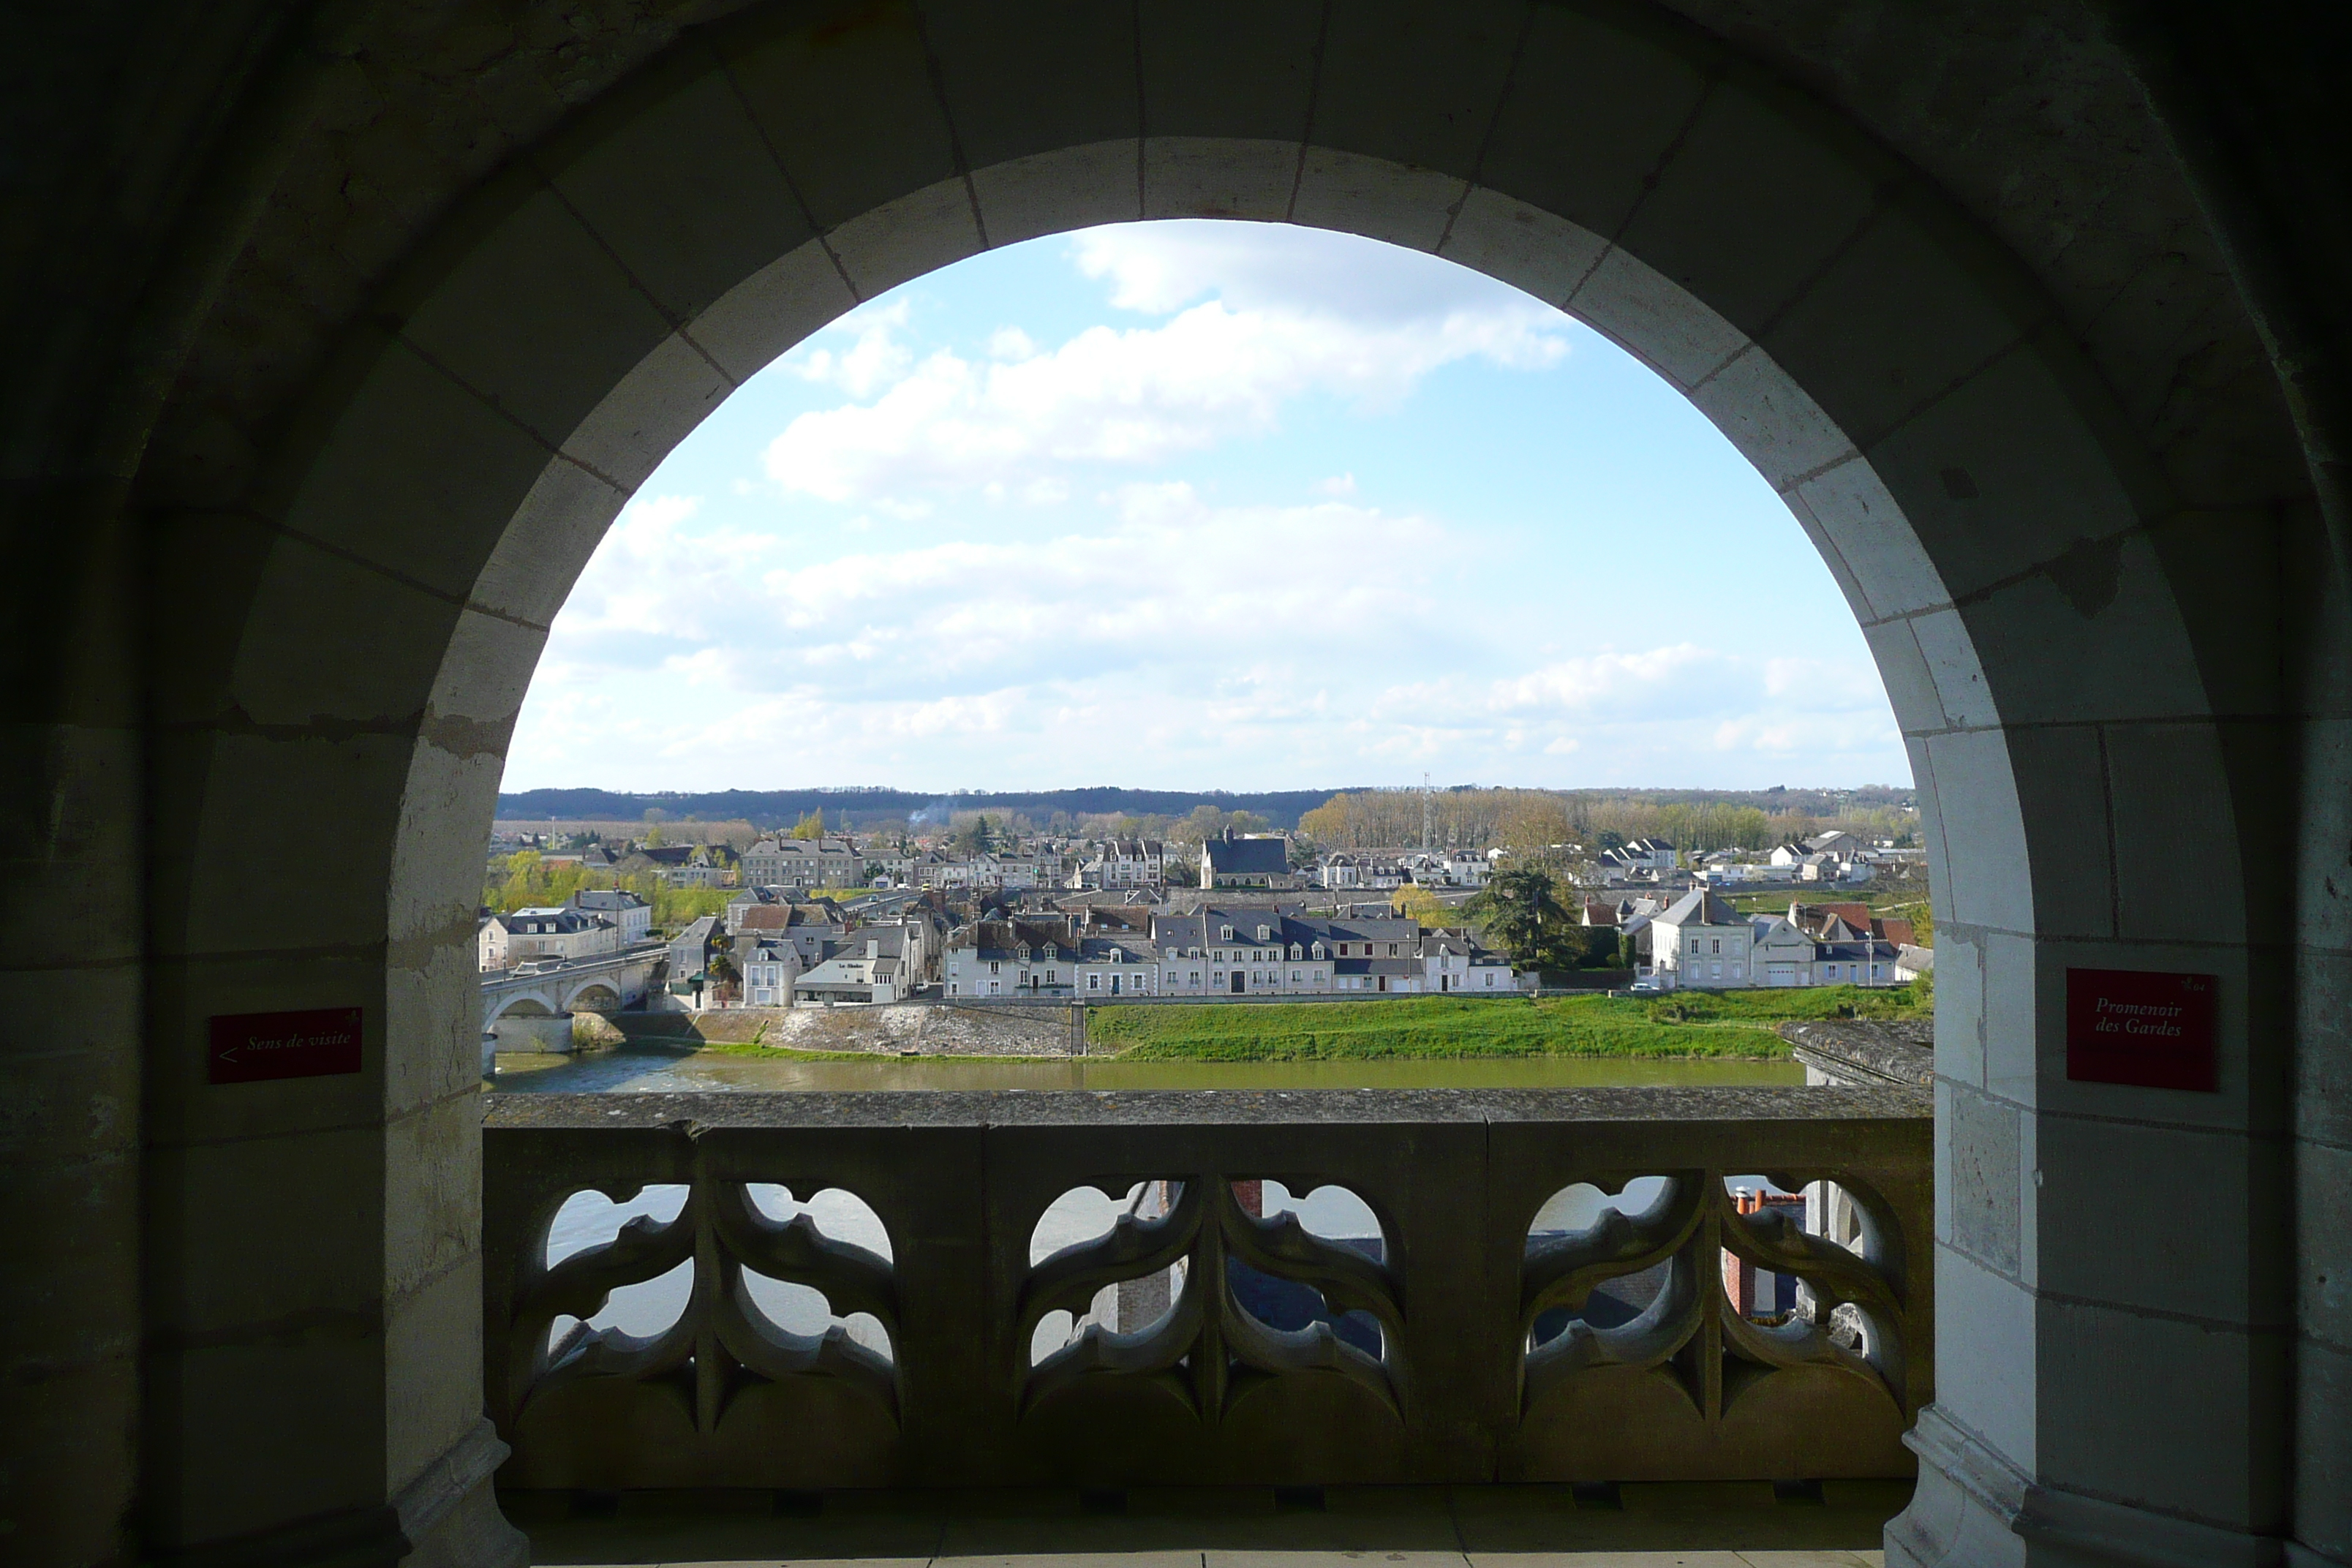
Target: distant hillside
(874,807)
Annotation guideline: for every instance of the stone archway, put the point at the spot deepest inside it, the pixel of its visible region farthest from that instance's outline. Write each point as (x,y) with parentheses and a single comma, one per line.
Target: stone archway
(2062,628)
(593,998)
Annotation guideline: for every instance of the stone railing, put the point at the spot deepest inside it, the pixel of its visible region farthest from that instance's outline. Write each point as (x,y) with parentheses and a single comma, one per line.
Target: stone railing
(1214,1344)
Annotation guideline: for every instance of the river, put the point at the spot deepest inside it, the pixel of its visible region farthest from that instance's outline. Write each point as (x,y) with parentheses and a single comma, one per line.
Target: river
(655,1070)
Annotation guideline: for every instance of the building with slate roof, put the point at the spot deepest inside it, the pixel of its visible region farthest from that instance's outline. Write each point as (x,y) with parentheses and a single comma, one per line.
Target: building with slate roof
(1250,951)
(1246,860)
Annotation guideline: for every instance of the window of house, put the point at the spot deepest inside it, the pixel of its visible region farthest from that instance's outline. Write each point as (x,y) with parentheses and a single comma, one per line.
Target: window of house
(1094,982)
(1264,933)
(995,968)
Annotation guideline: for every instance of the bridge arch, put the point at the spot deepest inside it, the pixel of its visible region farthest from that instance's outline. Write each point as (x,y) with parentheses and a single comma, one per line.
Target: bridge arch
(522,1007)
(2055,607)
(595,996)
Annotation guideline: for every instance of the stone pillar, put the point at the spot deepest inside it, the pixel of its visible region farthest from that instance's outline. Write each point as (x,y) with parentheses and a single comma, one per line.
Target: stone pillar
(2321,1128)
(70,911)
(2111,1261)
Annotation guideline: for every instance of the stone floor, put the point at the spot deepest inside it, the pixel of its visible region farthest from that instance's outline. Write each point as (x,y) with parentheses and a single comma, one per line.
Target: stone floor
(1710,1525)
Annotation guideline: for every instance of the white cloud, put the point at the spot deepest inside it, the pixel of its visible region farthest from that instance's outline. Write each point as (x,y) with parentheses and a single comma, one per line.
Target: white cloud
(1164,624)
(1158,269)
(982,551)
(1284,327)
(873,361)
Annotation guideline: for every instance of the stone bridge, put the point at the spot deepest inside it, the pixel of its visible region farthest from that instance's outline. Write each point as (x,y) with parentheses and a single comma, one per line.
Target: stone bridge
(600,984)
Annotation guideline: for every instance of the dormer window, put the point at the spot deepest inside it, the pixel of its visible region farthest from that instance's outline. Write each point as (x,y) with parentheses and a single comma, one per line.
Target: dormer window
(1050,952)
(1224,933)
(1265,933)
(1296,952)
(1319,949)
(1025,952)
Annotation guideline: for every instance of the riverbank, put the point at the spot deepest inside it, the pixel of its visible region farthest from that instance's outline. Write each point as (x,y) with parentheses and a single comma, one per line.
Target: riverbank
(890,1029)
(1684,1025)
(1687,1026)
(720,1069)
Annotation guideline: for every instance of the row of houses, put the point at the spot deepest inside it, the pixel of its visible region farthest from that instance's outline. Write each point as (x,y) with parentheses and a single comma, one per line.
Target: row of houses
(1384,870)
(1697,940)
(1214,952)
(591,922)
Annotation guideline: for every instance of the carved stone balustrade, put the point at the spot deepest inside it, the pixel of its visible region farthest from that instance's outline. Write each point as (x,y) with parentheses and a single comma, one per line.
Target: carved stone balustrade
(1491,1357)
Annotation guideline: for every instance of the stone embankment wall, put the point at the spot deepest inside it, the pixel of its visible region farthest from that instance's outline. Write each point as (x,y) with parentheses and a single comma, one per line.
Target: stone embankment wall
(925,1028)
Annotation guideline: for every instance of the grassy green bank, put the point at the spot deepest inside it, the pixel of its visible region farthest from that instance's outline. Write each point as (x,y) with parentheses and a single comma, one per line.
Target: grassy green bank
(1688,1025)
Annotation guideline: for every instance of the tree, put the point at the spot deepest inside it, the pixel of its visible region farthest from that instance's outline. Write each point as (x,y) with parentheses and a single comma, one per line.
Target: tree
(1514,907)
(1419,903)
(974,837)
(811,826)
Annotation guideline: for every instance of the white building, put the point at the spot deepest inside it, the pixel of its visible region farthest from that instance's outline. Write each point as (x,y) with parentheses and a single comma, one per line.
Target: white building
(1355,871)
(1113,966)
(1011,958)
(803,863)
(1700,941)
(1216,952)
(769,970)
(870,966)
(504,941)
(1121,863)
(631,914)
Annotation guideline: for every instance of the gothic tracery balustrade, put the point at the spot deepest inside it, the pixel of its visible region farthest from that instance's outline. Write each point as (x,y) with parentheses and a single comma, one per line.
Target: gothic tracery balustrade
(1189,1337)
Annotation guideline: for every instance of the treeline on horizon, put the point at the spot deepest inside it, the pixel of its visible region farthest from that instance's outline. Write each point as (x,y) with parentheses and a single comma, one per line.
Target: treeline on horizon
(1534,820)
(1464,816)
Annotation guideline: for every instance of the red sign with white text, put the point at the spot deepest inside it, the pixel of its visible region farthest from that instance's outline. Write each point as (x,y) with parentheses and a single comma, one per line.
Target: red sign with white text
(250,1047)
(2135,1027)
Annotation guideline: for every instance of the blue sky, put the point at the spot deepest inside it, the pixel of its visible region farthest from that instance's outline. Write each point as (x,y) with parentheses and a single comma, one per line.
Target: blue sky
(1205,505)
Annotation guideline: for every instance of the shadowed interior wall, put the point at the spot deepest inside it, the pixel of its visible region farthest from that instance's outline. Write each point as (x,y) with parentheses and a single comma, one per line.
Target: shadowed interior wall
(414,322)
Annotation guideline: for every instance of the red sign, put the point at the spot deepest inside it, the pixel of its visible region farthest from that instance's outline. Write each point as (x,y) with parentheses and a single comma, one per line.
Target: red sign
(2128,1025)
(248,1048)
